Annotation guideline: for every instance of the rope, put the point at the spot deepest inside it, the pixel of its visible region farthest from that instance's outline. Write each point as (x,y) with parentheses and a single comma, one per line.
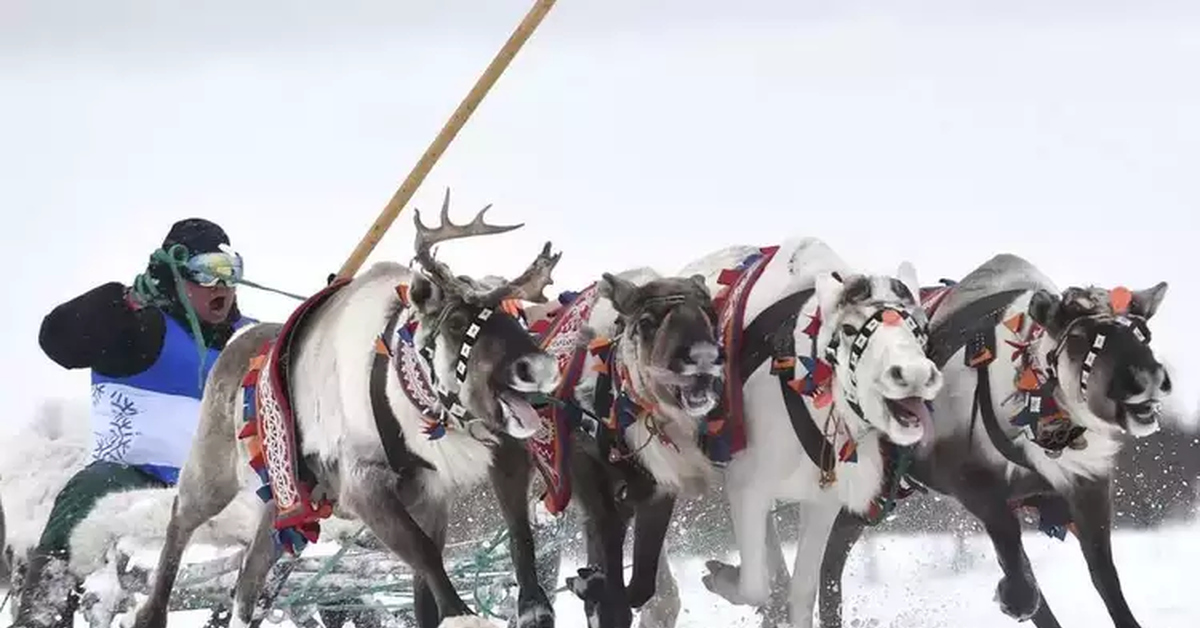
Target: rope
(146,291)
(258,286)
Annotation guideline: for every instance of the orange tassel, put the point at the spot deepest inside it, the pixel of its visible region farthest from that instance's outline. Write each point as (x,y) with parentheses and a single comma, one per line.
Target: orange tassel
(1028,381)
(1015,323)
(1120,298)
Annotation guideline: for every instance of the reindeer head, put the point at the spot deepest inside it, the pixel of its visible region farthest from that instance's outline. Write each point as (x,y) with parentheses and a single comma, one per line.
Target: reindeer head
(669,344)
(479,352)
(1102,356)
(874,332)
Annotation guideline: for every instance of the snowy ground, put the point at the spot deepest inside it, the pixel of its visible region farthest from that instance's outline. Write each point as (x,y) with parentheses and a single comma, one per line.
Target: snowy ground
(909,582)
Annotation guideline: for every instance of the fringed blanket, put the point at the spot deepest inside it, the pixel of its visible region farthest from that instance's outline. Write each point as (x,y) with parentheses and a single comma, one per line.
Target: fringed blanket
(272,439)
(726,433)
(563,337)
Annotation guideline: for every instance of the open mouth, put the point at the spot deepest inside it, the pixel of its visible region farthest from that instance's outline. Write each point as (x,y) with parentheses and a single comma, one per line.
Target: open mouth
(520,417)
(1145,413)
(908,412)
(217,304)
(697,399)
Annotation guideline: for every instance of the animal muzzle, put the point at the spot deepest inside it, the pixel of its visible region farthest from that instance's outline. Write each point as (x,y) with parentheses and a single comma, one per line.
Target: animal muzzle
(1142,402)
(700,394)
(533,373)
(913,378)
(526,377)
(907,386)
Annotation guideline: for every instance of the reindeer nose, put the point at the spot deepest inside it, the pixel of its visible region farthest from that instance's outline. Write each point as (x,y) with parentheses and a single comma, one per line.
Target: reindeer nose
(917,376)
(534,373)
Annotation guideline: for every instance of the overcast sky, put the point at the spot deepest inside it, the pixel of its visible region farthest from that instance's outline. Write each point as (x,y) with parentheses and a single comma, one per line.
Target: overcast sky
(629,132)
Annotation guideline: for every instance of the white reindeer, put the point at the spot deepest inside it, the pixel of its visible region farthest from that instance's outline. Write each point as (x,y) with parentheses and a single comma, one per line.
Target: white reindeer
(824,450)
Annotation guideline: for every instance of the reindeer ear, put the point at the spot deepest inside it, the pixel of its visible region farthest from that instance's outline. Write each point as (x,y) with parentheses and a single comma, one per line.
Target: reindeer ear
(1044,308)
(907,274)
(701,283)
(425,295)
(1145,302)
(621,292)
(829,291)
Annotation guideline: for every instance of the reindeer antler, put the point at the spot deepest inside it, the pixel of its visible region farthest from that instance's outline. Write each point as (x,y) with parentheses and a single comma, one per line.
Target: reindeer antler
(528,286)
(426,238)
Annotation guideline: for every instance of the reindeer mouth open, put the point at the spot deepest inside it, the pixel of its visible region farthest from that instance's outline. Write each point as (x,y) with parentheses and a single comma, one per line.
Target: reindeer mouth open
(698,399)
(1144,413)
(909,412)
(521,418)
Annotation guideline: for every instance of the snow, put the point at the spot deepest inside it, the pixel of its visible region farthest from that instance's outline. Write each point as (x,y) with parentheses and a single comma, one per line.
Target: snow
(908,581)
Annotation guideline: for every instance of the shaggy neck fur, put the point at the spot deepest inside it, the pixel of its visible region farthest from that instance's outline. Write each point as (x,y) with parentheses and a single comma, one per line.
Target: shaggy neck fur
(332,376)
(1007,272)
(1103,443)
(686,471)
(678,466)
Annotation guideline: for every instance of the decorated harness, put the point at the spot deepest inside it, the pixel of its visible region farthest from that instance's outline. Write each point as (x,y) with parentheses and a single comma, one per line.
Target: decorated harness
(1041,418)
(272,435)
(776,325)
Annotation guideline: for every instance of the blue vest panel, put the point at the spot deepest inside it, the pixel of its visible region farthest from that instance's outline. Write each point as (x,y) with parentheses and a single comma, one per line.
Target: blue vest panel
(148,420)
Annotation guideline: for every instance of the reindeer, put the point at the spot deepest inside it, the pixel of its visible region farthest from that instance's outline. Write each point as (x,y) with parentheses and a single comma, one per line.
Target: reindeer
(834,384)
(647,385)
(378,451)
(1055,380)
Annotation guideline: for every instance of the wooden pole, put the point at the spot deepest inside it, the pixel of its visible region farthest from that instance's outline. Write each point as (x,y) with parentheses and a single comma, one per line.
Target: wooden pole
(518,38)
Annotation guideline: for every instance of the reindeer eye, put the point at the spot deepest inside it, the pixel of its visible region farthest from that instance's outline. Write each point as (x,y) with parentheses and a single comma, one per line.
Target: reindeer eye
(646,323)
(849,330)
(456,323)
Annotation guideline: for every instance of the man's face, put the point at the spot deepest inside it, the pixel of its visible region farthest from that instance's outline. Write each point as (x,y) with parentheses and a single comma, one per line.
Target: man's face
(213,304)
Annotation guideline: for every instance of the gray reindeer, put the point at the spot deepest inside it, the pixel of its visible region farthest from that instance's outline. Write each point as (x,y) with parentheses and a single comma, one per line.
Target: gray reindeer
(389,436)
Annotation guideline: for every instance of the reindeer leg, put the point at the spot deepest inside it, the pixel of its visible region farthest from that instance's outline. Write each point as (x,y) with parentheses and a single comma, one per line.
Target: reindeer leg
(663,608)
(510,475)
(751,505)
(372,492)
(775,611)
(984,496)
(651,520)
(847,529)
(433,517)
(249,595)
(816,522)
(1091,510)
(203,492)
(601,584)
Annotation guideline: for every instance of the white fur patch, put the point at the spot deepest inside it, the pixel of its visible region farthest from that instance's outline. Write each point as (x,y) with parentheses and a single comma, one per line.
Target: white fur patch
(467,621)
(55,444)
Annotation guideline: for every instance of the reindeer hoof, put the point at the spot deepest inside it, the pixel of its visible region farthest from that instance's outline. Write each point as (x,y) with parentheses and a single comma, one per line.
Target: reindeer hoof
(1018,599)
(589,585)
(725,580)
(535,613)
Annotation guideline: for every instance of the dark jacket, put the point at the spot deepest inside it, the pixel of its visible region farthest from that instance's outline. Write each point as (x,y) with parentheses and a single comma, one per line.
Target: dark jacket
(102,330)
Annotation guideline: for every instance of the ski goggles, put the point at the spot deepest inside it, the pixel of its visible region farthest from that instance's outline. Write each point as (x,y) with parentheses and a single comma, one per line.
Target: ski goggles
(211,269)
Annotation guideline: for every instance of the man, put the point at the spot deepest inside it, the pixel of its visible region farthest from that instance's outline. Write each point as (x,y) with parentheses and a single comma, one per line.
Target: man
(149,347)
